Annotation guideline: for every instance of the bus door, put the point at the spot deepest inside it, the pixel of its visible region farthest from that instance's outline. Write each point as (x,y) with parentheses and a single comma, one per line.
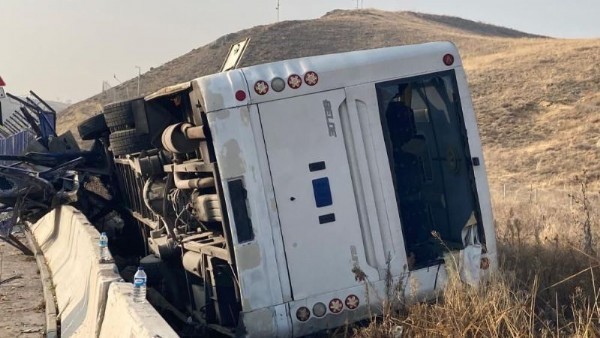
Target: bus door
(314,193)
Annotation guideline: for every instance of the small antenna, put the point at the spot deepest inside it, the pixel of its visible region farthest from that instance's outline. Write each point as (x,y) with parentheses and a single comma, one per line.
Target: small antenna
(277,9)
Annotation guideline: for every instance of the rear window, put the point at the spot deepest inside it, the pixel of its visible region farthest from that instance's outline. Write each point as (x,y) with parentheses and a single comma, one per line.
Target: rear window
(430,162)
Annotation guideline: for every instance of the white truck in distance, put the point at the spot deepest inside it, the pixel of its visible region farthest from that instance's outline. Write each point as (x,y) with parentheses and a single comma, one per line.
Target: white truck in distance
(271,198)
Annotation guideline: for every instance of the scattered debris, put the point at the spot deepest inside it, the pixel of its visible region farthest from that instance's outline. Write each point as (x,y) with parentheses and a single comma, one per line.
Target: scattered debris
(32,330)
(10,279)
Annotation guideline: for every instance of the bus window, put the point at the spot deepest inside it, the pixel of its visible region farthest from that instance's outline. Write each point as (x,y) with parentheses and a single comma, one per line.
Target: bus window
(430,164)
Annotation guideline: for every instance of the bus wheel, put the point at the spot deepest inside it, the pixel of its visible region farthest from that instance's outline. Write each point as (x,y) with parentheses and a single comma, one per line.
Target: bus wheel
(119,115)
(93,128)
(128,141)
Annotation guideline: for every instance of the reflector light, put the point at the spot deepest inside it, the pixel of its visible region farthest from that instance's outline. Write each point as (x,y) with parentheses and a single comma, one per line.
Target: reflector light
(336,306)
(294,81)
(240,95)
(278,84)
(352,302)
(485,263)
(448,59)
(319,309)
(2,84)
(303,314)
(311,78)
(261,87)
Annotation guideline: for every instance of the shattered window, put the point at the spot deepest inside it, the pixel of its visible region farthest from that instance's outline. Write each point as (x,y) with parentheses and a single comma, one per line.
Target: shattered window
(430,163)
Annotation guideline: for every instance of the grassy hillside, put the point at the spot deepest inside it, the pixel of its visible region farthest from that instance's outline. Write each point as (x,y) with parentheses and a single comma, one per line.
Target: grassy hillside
(536,98)
(538,106)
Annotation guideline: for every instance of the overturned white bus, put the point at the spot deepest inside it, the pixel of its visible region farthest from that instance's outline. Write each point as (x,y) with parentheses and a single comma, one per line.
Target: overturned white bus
(271,199)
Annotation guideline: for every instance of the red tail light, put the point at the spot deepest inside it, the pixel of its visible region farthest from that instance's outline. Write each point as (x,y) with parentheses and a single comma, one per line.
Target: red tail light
(240,95)
(448,59)
(2,84)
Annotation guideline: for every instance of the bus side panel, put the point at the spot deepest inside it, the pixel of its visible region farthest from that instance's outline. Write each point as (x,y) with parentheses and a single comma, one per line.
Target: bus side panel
(237,159)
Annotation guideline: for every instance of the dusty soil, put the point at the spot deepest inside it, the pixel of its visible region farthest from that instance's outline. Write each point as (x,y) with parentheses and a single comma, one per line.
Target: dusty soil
(21,299)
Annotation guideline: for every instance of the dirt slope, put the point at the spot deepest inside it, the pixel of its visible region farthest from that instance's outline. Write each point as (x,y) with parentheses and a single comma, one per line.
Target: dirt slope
(536,98)
(21,296)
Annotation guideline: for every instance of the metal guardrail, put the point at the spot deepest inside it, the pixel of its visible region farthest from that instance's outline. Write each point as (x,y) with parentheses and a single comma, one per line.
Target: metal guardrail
(15,144)
(12,145)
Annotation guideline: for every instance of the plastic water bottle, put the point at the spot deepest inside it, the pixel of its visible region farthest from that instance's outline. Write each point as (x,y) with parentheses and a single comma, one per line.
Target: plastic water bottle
(103,244)
(139,286)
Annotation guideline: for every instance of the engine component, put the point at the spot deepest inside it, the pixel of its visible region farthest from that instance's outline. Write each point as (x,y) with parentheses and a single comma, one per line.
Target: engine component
(193,183)
(150,165)
(153,194)
(192,262)
(208,208)
(182,138)
(162,246)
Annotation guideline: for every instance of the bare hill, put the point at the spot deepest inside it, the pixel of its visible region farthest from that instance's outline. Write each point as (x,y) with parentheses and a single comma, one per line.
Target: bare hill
(537,98)
(478,28)
(337,31)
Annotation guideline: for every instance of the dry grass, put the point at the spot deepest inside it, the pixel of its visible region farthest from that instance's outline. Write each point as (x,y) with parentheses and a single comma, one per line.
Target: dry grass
(547,284)
(538,107)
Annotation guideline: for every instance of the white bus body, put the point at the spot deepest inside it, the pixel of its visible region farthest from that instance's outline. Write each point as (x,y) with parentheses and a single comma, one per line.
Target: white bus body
(351,165)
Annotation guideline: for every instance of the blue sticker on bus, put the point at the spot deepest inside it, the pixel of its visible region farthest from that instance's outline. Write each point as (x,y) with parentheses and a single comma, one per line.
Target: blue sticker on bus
(322,192)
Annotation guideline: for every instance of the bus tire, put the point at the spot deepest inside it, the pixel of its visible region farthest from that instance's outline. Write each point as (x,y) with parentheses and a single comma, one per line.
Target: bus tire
(128,141)
(119,115)
(93,128)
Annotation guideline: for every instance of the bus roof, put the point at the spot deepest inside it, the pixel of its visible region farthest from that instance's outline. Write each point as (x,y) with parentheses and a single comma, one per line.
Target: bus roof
(323,72)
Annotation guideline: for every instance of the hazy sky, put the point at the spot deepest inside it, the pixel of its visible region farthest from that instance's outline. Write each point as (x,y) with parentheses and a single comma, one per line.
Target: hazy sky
(65,49)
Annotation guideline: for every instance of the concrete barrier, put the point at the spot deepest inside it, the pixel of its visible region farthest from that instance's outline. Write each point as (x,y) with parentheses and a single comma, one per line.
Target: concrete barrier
(91,301)
(124,318)
(70,245)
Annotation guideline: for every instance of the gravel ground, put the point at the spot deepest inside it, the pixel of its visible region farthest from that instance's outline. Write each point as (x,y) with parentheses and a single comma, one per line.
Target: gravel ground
(21,297)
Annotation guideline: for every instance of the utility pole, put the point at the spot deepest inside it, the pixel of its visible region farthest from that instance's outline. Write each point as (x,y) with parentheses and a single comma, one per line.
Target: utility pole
(139,76)
(277,9)
(126,89)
